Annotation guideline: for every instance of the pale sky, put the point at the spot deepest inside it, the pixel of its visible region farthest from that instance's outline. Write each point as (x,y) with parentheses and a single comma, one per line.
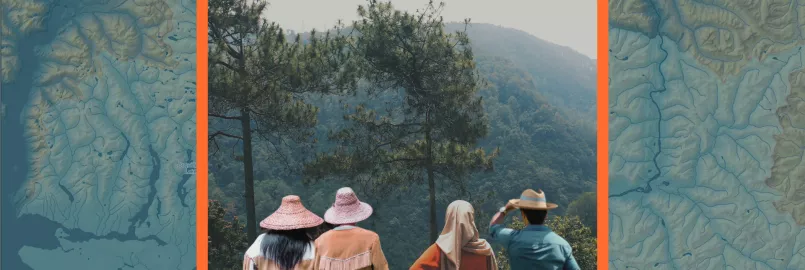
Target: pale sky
(570,23)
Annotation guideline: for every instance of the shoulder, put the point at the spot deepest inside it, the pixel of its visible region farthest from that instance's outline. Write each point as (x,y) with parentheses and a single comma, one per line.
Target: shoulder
(433,249)
(322,238)
(364,233)
(557,240)
(429,259)
(254,249)
(501,227)
(498,230)
(355,233)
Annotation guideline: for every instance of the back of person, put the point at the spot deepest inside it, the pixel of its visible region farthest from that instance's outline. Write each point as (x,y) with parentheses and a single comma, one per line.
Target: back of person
(286,243)
(458,247)
(431,259)
(349,248)
(254,259)
(536,247)
(472,261)
(307,263)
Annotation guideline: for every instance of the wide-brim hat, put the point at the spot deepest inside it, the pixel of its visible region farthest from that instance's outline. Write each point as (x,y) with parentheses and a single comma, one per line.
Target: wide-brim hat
(532,200)
(347,209)
(291,215)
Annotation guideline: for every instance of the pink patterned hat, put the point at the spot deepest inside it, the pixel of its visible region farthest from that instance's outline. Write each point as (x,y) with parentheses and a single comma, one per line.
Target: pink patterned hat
(291,215)
(347,208)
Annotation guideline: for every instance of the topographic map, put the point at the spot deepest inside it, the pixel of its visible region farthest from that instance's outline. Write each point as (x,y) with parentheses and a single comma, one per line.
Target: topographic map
(707,132)
(98,134)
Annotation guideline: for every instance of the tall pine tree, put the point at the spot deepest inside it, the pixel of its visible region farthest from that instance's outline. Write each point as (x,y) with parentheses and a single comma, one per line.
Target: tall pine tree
(431,130)
(257,78)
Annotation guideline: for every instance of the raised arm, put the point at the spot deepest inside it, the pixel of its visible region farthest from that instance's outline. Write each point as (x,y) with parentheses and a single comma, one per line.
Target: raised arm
(501,215)
(498,233)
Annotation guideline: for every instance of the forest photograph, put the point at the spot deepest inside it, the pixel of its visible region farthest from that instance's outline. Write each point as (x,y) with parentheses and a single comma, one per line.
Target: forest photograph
(410,109)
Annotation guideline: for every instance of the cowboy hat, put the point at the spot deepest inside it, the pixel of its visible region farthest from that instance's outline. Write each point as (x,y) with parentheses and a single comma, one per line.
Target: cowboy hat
(532,200)
(291,215)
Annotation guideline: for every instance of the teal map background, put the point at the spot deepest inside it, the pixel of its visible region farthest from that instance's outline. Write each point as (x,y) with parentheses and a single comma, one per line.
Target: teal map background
(707,134)
(98,134)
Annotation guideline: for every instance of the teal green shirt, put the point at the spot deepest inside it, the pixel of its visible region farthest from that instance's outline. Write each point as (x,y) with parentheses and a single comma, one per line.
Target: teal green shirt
(535,247)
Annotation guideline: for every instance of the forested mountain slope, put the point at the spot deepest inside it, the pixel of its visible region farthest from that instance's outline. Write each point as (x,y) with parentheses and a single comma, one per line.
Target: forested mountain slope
(565,77)
(539,100)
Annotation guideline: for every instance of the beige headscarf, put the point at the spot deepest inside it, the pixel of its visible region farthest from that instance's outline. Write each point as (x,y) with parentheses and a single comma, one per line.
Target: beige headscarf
(460,234)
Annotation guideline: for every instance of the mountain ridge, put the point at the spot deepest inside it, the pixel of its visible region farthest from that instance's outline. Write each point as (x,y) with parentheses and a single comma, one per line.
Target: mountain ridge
(564,76)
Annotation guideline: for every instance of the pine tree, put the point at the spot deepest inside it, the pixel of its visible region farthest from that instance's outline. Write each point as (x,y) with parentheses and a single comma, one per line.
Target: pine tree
(432,129)
(257,77)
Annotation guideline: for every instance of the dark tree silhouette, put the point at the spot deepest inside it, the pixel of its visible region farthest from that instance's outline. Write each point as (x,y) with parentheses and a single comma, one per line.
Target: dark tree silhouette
(257,77)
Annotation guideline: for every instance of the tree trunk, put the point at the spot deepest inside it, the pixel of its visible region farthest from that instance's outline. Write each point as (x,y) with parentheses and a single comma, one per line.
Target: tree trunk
(432,193)
(248,170)
(431,181)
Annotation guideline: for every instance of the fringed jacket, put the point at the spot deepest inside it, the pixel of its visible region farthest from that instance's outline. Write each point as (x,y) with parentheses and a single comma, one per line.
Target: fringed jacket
(349,248)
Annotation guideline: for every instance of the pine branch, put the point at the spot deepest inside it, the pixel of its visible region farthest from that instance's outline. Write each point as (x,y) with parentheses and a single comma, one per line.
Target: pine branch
(212,136)
(225,117)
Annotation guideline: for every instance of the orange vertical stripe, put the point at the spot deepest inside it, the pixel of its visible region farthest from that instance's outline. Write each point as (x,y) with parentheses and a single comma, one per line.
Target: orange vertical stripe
(603,134)
(201,135)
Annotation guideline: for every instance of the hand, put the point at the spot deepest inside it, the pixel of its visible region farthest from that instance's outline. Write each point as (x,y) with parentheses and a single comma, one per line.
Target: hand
(509,206)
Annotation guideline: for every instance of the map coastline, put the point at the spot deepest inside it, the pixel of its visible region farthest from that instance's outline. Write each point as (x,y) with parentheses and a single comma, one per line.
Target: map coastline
(15,153)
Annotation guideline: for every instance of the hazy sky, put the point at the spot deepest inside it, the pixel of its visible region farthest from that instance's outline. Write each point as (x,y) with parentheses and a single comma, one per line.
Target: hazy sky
(570,23)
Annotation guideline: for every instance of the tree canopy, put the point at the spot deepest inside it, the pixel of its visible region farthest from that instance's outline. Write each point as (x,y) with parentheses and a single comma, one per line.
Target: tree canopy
(256,77)
(542,144)
(432,128)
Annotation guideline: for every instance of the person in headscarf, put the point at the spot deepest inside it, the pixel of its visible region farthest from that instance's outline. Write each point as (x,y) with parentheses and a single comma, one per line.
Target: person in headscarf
(459,246)
(287,243)
(347,246)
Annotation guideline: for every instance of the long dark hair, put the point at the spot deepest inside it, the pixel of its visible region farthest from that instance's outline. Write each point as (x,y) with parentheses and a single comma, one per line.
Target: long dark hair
(285,248)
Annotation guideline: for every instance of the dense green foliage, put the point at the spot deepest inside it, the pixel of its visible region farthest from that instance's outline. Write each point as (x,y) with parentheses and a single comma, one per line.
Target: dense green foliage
(431,134)
(565,78)
(585,208)
(227,238)
(256,77)
(544,143)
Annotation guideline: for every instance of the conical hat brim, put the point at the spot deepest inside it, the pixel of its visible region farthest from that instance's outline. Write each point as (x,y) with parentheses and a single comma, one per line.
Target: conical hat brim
(291,221)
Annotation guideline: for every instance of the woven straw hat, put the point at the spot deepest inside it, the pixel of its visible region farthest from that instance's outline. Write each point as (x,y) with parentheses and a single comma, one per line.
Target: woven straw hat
(291,215)
(347,209)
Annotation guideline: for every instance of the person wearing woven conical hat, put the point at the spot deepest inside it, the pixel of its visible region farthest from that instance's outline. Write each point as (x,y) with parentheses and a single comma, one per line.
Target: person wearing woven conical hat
(286,243)
(458,246)
(347,246)
(535,246)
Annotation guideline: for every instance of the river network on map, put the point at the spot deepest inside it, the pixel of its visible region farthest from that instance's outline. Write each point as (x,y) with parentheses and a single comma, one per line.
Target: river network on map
(98,134)
(707,102)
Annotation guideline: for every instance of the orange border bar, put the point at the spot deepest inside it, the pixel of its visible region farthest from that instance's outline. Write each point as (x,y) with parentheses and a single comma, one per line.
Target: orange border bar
(201,135)
(603,135)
